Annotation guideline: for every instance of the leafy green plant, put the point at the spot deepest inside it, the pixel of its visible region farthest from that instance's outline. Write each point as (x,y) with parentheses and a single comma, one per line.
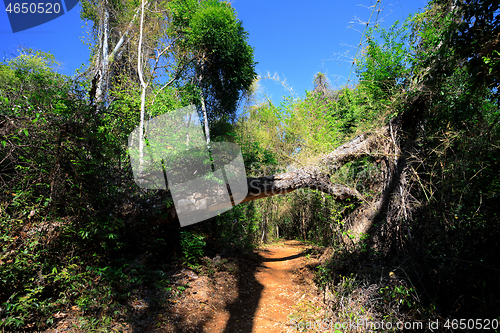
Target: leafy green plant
(398,296)
(192,247)
(323,274)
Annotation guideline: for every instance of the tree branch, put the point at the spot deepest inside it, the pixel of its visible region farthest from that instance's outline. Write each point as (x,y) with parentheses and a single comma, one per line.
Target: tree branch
(360,146)
(307,177)
(176,76)
(125,34)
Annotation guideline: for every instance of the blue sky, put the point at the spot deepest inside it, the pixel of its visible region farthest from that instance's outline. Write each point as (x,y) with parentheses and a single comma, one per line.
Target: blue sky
(292,39)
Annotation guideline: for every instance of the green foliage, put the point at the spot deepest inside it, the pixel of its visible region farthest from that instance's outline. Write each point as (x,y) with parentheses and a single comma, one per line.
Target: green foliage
(224,64)
(493,62)
(454,159)
(258,133)
(273,137)
(468,44)
(62,240)
(65,168)
(57,186)
(384,72)
(165,100)
(323,275)
(307,130)
(192,247)
(398,296)
(385,67)
(30,85)
(238,228)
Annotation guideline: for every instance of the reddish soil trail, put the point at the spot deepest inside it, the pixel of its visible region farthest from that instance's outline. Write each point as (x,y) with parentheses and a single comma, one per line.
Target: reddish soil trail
(267,299)
(254,294)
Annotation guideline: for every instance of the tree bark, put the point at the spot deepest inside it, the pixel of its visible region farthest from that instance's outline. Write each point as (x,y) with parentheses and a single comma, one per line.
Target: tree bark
(307,177)
(102,65)
(202,97)
(104,57)
(143,92)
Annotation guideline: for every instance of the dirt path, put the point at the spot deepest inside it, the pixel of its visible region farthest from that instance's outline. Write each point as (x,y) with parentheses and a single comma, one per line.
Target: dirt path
(234,295)
(268,298)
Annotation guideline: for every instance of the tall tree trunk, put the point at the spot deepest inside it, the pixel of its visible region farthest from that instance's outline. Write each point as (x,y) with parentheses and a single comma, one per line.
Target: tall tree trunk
(143,92)
(202,97)
(205,116)
(303,224)
(264,228)
(102,66)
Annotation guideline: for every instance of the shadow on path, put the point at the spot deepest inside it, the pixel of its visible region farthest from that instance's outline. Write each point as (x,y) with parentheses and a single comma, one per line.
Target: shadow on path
(243,311)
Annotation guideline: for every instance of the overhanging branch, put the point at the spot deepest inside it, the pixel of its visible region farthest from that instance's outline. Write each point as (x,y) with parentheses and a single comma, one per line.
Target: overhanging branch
(317,176)
(362,145)
(307,177)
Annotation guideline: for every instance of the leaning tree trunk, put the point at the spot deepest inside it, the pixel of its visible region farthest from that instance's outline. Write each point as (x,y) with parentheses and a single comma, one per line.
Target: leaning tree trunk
(390,186)
(317,176)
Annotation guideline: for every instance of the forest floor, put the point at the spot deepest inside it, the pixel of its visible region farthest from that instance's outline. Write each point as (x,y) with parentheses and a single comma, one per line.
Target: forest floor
(270,290)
